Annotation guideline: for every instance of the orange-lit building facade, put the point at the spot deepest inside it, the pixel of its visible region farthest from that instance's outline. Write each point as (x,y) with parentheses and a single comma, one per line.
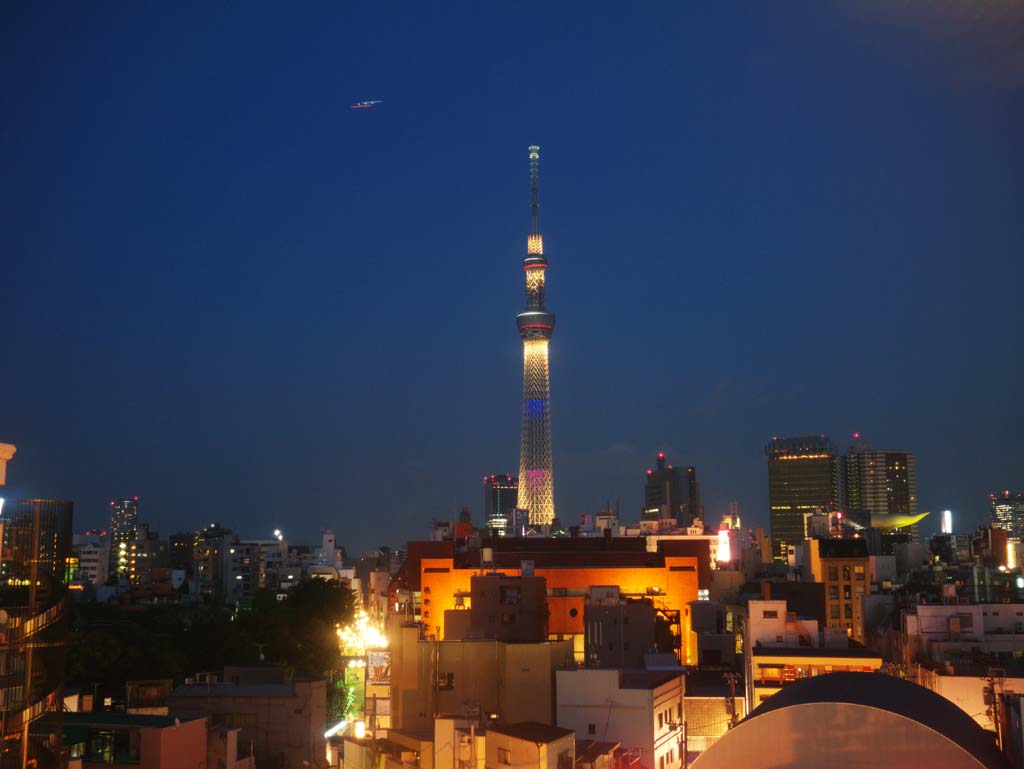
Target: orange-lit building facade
(670,578)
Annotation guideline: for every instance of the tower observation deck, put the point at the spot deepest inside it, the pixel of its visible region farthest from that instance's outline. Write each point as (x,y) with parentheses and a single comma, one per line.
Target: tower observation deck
(536,482)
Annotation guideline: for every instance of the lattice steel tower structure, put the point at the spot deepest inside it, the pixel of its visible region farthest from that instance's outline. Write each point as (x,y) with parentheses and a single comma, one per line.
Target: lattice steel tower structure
(536,480)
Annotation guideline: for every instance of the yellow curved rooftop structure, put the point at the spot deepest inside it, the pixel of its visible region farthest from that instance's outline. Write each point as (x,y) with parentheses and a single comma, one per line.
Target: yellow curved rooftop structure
(888,522)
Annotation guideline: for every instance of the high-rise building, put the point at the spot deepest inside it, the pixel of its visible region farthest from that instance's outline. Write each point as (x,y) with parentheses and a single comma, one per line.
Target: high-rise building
(124,528)
(663,492)
(693,508)
(501,495)
(802,478)
(536,481)
(36,558)
(879,483)
(1008,512)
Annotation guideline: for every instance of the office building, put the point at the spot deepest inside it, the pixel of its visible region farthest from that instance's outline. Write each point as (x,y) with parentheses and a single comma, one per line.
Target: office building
(878,484)
(124,524)
(501,495)
(802,478)
(33,630)
(693,509)
(536,480)
(1008,512)
(663,492)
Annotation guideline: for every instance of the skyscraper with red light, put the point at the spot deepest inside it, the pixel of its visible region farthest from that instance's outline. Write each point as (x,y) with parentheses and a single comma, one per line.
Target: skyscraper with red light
(536,481)
(663,491)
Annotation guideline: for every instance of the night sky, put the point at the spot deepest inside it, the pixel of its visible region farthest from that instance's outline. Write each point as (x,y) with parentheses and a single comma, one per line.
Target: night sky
(230,294)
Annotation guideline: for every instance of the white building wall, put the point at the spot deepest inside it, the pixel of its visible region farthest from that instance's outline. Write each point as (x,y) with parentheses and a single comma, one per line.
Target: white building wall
(591,703)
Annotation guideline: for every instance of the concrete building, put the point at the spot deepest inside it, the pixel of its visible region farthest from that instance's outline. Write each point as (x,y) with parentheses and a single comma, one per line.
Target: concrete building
(619,631)
(854,720)
(642,710)
(529,745)
(104,740)
(283,720)
(963,651)
(502,607)
(513,681)
(121,741)
(843,566)
(781,648)
(715,628)
(92,551)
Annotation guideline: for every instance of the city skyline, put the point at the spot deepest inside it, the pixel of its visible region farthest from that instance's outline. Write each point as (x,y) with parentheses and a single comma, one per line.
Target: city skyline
(218,304)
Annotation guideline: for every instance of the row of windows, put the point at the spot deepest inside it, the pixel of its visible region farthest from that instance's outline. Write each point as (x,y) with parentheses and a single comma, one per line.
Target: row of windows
(848,592)
(858,572)
(665,716)
(847,611)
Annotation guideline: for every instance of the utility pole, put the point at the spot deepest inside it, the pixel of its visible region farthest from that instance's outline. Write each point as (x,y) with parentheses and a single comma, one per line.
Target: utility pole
(731,679)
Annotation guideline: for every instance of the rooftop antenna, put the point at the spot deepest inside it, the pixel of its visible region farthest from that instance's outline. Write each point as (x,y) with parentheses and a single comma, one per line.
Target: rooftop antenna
(534,205)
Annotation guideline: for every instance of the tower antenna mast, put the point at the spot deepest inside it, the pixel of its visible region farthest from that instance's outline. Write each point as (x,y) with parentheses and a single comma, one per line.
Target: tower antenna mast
(534,205)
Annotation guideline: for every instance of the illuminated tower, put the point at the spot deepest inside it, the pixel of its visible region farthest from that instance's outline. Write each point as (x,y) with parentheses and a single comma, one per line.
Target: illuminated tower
(536,483)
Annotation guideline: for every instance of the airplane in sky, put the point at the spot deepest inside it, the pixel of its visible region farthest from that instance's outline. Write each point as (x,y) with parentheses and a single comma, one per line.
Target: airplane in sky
(366,104)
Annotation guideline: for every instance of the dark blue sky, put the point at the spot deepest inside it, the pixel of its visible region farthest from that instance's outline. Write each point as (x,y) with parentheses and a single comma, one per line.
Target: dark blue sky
(230,294)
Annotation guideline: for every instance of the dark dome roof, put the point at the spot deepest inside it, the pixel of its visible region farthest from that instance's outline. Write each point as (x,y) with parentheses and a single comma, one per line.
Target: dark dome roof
(882,692)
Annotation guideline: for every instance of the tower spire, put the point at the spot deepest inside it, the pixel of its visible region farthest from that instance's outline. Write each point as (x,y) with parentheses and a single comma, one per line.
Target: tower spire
(534,205)
(536,322)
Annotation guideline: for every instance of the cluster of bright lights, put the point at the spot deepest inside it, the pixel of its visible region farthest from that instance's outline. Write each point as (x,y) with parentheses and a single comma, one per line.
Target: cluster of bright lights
(724,554)
(360,635)
(534,244)
(335,729)
(357,663)
(535,348)
(534,281)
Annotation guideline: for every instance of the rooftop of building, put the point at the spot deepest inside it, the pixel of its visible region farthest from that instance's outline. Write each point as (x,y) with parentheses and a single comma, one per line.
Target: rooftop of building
(843,548)
(122,720)
(424,734)
(532,731)
(895,695)
(647,679)
(588,751)
(814,651)
(710,683)
(234,690)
